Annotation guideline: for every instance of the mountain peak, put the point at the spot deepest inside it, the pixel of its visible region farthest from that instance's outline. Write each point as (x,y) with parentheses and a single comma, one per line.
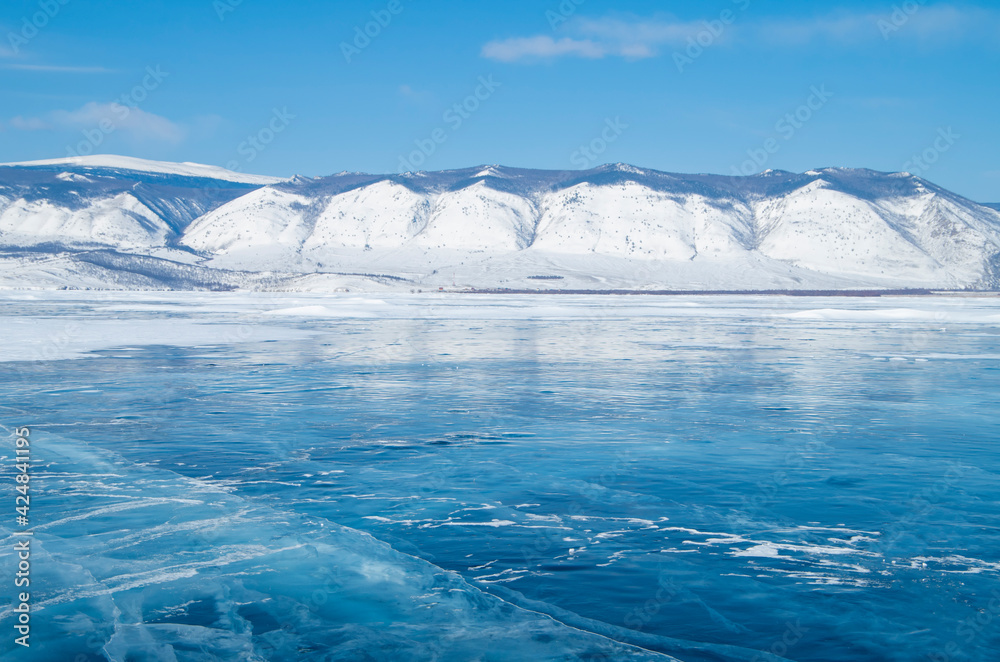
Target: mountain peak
(490,171)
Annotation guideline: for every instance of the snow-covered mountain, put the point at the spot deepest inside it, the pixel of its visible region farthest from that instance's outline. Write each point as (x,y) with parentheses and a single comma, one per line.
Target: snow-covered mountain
(111,201)
(614,227)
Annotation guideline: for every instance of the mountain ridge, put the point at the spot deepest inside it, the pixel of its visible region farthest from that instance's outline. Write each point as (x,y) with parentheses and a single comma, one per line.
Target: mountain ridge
(616,226)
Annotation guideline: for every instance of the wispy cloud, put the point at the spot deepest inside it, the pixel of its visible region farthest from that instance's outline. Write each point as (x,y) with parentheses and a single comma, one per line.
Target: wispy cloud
(842,28)
(29,124)
(950,23)
(132,122)
(595,39)
(542,47)
(934,23)
(639,38)
(52,68)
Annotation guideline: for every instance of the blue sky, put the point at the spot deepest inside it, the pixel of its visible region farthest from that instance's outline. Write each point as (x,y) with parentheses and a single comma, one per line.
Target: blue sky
(720,86)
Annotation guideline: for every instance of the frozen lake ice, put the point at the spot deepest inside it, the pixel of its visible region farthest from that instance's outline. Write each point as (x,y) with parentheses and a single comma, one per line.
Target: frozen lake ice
(472,477)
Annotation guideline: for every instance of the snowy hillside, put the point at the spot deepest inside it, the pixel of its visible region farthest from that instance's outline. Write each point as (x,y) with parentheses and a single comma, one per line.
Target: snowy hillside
(113,202)
(614,227)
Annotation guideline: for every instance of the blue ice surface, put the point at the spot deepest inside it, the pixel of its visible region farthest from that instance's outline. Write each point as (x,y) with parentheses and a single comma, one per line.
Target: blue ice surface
(705,480)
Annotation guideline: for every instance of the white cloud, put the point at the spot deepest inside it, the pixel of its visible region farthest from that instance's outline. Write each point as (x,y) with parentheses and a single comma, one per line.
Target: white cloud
(638,38)
(133,122)
(595,39)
